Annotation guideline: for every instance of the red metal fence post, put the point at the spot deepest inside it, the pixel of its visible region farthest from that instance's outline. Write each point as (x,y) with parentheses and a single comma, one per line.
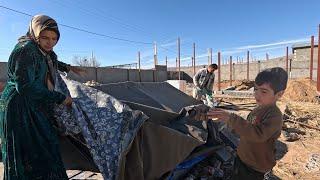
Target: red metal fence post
(248,65)
(318,70)
(219,71)
(179,58)
(311,57)
(230,61)
(287,58)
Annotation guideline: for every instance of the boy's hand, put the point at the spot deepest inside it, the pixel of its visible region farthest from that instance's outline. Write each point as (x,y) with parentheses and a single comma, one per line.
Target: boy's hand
(217,114)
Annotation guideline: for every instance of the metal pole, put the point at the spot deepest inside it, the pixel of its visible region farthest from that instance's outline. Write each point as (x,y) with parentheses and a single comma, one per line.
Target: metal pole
(318,70)
(219,71)
(155,55)
(192,64)
(166,61)
(248,54)
(176,64)
(210,55)
(230,61)
(234,71)
(287,58)
(311,57)
(194,58)
(139,63)
(179,57)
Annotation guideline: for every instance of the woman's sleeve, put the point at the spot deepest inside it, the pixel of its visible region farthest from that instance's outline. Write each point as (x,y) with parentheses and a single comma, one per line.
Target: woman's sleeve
(25,67)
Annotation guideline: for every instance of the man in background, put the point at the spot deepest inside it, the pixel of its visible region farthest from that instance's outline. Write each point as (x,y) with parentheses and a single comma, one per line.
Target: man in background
(203,82)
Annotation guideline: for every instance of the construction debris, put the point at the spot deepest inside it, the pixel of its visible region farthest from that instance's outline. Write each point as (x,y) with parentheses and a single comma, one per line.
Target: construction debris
(245,85)
(313,164)
(290,136)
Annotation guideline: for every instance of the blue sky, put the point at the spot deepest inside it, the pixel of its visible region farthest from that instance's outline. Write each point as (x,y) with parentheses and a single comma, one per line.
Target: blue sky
(229,26)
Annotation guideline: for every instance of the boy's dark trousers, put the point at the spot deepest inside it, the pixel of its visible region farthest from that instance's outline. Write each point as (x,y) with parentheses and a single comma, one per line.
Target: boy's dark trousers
(242,172)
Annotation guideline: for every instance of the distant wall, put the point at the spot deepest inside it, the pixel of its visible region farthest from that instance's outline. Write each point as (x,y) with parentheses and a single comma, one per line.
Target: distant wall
(298,64)
(301,62)
(109,75)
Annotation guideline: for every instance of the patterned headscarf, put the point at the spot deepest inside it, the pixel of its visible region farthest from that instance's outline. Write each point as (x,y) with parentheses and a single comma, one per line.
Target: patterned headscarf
(38,24)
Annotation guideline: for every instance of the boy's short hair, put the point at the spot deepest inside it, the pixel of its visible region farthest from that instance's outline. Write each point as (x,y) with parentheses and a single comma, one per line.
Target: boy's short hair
(277,77)
(214,66)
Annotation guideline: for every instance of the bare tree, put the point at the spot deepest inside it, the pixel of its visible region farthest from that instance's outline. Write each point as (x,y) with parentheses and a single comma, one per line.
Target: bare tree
(85,62)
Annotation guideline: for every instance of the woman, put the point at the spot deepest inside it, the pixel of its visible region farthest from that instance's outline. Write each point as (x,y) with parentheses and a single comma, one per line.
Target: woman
(30,147)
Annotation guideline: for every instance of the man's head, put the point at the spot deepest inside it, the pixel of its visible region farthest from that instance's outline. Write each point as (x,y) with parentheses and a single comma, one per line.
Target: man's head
(270,85)
(212,67)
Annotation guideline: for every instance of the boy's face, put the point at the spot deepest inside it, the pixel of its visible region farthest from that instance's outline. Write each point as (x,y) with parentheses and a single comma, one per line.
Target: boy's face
(265,95)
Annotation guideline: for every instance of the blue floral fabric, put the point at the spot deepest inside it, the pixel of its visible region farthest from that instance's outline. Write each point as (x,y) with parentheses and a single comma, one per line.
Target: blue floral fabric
(107,125)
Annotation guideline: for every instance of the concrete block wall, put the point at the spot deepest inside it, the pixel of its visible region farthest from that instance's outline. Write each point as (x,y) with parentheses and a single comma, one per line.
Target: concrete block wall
(91,75)
(299,67)
(107,75)
(112,75)
(147,75)
(133,75)
(161,76)
(301,63)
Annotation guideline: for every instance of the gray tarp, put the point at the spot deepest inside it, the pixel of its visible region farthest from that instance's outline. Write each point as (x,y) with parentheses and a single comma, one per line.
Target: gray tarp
(162,142)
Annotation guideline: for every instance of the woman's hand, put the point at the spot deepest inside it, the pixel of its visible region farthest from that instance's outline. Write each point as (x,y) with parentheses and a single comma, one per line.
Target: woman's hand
(217,114)
(78,70)
(68,101)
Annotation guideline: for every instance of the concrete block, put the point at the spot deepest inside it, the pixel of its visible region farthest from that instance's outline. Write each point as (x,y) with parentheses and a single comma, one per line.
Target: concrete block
(112,75)
(161,76)
(161,68)
(91,74)
(134,75)
(147,76)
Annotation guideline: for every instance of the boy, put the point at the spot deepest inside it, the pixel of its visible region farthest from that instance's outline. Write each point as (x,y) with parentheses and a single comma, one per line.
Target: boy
(256,150)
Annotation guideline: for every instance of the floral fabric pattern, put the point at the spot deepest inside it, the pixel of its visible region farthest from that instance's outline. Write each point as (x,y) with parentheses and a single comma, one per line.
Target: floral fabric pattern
(107,125)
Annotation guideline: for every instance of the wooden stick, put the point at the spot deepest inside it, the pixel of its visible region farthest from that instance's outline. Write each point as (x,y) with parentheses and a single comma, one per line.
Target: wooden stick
(302,124)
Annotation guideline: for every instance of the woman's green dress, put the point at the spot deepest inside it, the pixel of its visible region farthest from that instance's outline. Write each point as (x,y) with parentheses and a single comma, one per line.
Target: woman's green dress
(30,146)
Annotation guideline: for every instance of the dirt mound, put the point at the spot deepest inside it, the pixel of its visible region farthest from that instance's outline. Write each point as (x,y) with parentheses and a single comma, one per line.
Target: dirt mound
(302,90)
(244,85)
(239,85)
